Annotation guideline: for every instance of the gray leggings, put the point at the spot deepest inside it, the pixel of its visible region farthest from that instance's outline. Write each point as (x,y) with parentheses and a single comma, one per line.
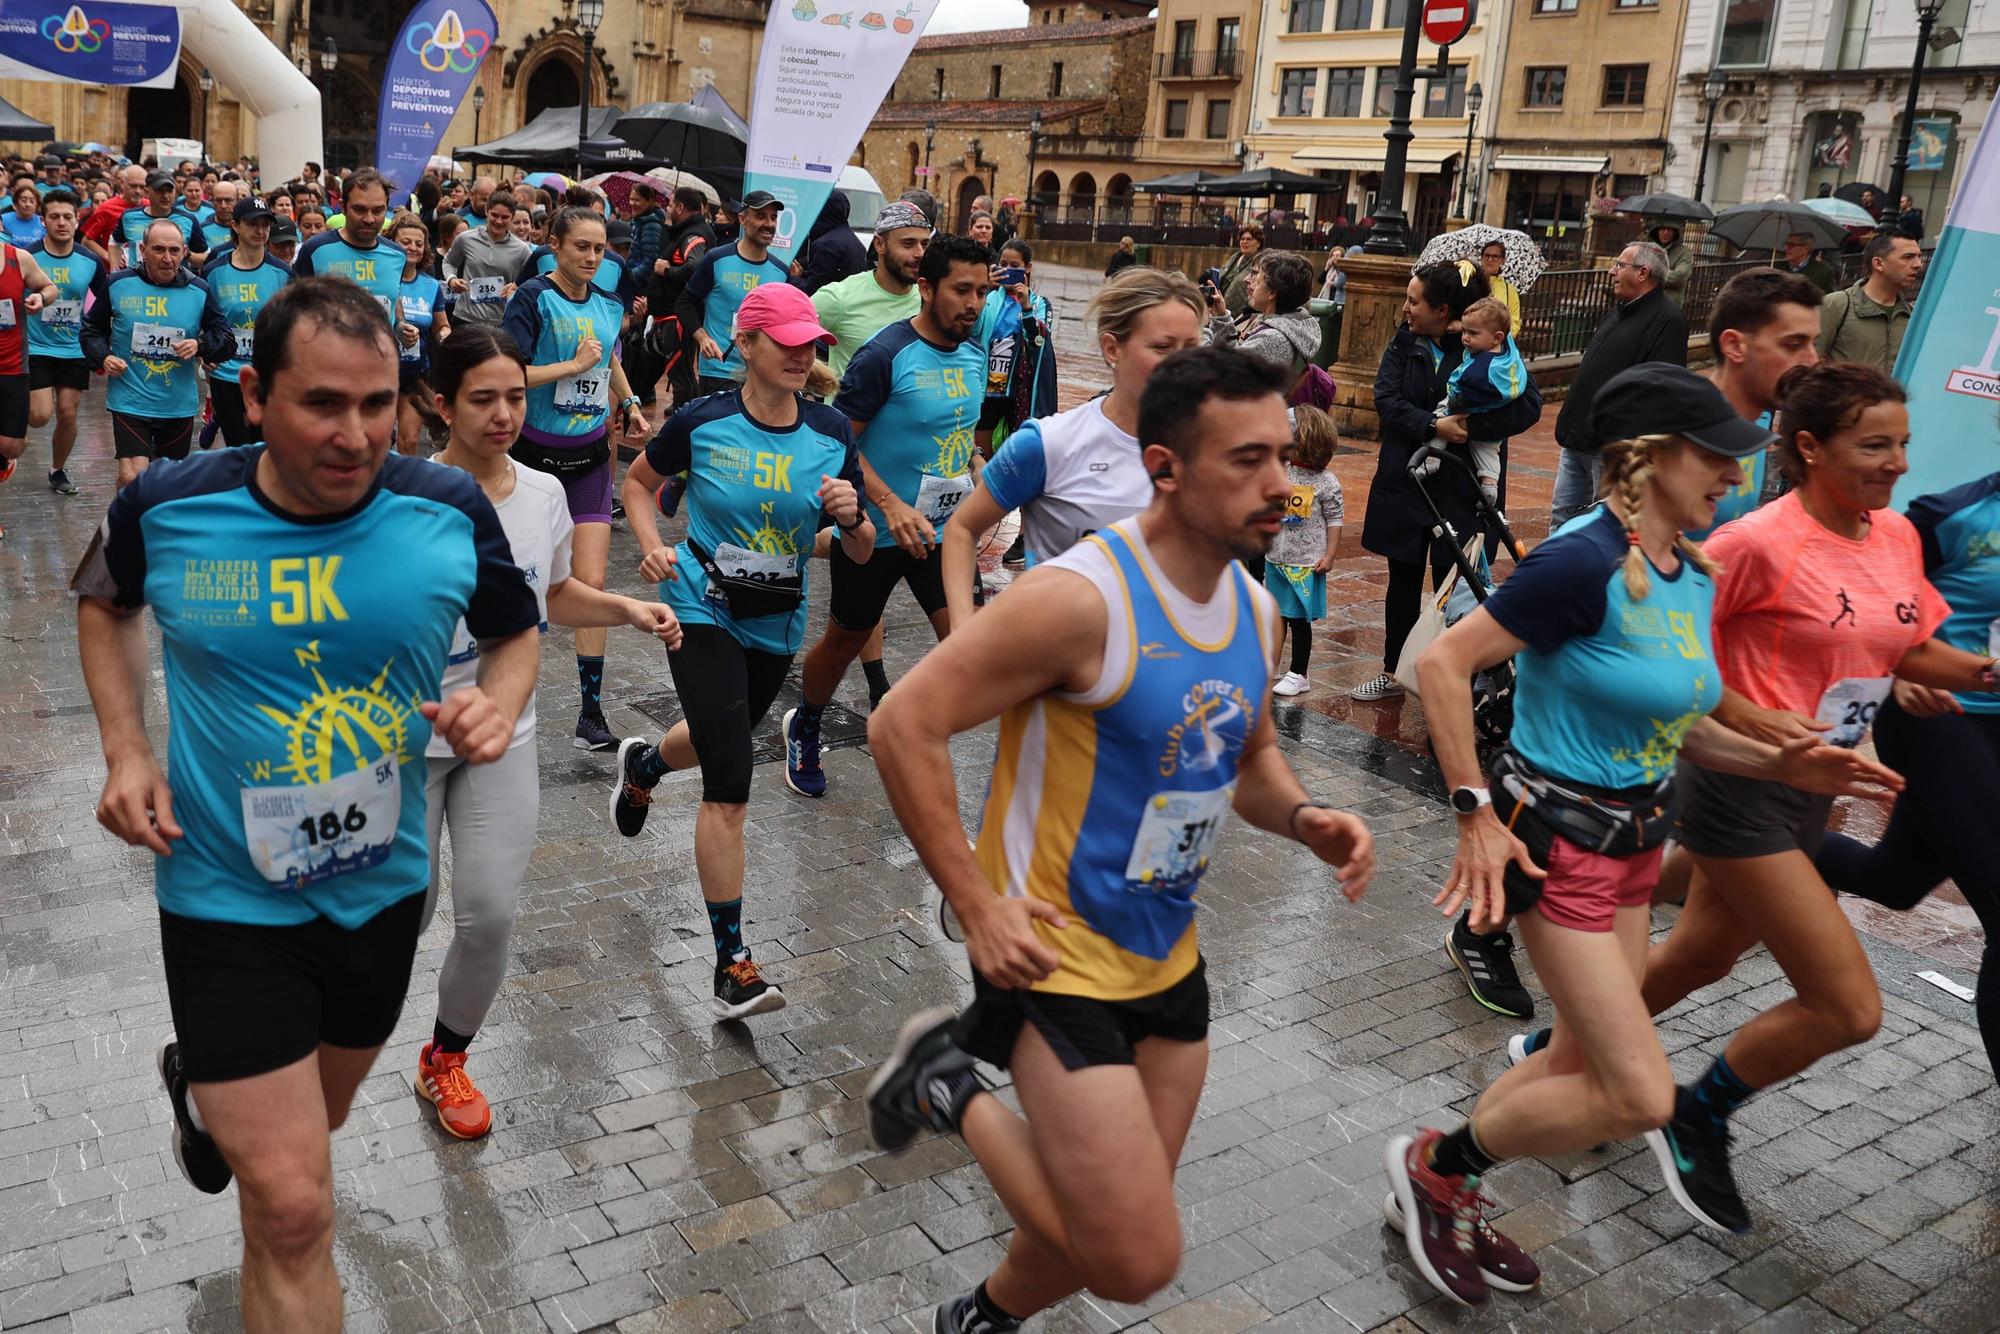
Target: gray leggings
(493,810)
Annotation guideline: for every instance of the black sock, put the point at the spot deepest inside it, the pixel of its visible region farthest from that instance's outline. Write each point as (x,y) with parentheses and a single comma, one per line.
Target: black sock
(590,682)
(443,1039)
(725,921)
(1713,1097)
(809,715)
(1459,1155)
(650,765)
(878,680)
(1302,644)
(989,1310)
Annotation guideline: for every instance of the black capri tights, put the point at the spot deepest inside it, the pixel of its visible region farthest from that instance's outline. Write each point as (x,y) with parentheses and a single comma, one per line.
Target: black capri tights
(725,690)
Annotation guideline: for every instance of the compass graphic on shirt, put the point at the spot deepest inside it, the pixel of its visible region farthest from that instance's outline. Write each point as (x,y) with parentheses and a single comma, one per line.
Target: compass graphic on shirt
(339,729)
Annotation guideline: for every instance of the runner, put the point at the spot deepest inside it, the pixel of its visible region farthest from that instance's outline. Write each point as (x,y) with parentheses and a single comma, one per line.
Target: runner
(492,808)
(728,272)
(242,278)
(158,205)
(305,593)
(482,263)
(568,327)
(1081,470)
(24,290)
(424,326)
(146,333)
(913,395)
(1088,982)
(57,375)
(1608,623)
(767,468)
(1947,747)
(1822,601)
(357,250)
(218,226)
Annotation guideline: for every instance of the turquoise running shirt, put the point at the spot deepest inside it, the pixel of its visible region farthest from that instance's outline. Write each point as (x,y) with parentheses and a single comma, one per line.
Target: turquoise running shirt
(140,322)
(919,402)
(1960,531)
(718,285)
(56,330)
(422,295)
(132,224)
(549,327)
(378,269)
(241,293)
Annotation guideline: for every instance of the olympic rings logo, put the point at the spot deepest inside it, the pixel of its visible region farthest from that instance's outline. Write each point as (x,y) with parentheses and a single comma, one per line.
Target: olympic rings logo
(448,45)
(72,36)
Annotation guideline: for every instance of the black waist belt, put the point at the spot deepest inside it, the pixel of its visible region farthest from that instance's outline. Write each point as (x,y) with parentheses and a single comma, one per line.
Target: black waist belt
(1613,826)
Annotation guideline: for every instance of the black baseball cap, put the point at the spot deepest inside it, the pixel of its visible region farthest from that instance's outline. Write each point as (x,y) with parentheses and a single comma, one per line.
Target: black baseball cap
(283,230)
(1659,398)
(761,199)
(617,232)
(253,210)
(157,179)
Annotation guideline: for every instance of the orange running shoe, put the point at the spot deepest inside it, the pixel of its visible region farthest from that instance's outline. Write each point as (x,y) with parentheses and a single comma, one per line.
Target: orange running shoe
(461,1108)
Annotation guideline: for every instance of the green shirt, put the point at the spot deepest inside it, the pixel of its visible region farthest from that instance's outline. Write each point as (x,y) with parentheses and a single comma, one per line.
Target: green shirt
(857,308)
(1853,326)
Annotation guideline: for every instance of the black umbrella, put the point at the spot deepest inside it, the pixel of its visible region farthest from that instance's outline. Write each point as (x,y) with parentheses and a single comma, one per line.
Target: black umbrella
(1764,226)
(1853,190)
(1262,184)
(683,134)
(1179,183)
(1661,204)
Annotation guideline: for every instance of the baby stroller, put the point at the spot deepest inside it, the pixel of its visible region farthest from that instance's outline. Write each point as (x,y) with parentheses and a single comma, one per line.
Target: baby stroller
(1492,689)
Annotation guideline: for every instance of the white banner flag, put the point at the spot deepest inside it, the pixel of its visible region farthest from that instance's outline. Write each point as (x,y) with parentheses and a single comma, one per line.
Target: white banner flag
(820,78)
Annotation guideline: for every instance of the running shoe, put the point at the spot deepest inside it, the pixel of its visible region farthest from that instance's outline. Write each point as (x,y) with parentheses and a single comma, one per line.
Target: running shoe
(461,1107)
(1694,1158)
(1502,1261)
(1487,963)
(669,495)
(1523,1045)
(1384,686)
(1439,1216)
(961,1315)
(631,795)
(60,483)
(802,772)
(1291,683)
(1017,555)
(741,991)
(924,1085)
(6,469)
(592,733)
(195,1153)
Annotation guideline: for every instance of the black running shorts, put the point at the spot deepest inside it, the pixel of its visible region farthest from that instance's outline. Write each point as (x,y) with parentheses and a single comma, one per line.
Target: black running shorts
(58,373)
(14,406)
(1080,1030)
(1724,815)
(860,592)
(248,1000)
(135,437)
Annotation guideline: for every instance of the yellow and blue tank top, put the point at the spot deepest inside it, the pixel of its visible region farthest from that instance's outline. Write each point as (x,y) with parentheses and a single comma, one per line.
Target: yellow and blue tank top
(1108,805)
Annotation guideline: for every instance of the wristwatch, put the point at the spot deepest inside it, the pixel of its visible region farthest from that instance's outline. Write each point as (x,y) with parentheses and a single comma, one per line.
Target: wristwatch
(1468,800)
(1989,675)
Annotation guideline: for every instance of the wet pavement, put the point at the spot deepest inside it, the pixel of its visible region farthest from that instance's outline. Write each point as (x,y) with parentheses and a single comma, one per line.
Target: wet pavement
(653,1170)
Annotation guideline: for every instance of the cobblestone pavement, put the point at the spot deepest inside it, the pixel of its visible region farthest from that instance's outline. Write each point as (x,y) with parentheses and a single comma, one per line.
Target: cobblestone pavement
(655,1171)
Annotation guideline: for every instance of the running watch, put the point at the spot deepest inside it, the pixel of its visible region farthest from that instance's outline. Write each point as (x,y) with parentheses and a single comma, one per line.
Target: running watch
(1468,800)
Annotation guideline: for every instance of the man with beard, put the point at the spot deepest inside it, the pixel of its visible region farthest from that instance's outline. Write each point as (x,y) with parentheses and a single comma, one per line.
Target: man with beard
(1130,676)
(725,275)
(857,308)
(357,250)
(913,394)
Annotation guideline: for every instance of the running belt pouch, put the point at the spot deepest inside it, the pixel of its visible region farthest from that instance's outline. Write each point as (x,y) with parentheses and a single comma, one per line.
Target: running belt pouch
(749,598)
(664,340)
(562,462)
(1595,823)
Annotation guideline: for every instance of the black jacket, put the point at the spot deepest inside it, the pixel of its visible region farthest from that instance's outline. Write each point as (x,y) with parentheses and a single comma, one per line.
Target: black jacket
(1646,328)
(1408,389)
(682,247)
(832,251)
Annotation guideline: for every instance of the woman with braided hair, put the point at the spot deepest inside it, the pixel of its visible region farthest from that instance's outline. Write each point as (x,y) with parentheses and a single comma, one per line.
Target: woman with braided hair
(1608,623)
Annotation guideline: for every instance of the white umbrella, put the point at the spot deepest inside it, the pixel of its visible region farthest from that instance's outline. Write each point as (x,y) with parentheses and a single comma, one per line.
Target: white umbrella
(674,178)
(1524,262)
(1845,212)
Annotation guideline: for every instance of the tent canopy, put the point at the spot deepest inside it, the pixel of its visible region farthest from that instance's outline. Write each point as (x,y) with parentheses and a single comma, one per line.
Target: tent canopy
(547,142)
(1262,184)
(1179,183)
(18,126)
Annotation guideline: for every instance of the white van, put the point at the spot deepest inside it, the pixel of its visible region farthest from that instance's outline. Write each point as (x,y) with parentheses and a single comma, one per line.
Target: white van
(170,153)
(864,201)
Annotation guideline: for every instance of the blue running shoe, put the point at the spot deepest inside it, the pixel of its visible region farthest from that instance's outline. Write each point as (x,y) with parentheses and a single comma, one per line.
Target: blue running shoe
(802,772)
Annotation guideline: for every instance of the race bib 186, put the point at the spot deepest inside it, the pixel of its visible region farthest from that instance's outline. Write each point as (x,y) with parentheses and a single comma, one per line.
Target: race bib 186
(308,834)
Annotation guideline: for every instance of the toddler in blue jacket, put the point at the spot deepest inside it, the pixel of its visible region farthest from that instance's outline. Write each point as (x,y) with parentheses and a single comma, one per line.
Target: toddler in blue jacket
(1491,376)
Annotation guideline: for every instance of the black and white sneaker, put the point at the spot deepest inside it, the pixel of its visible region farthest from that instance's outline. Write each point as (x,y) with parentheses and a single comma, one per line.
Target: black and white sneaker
(631,795)
(960,1315)
(1523,1045)
(1016,557)
(1694,1158)
(924,1085)
(60,483)
(741,991)
(1487,963)
(195,1153)
(593,733)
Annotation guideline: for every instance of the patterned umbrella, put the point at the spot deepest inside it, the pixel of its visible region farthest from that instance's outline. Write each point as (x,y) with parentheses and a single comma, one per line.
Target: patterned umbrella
(616,186)
(1524,262)
(672,178)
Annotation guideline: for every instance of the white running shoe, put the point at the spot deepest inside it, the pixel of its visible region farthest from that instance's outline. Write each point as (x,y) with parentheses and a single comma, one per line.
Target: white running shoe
(1291,683)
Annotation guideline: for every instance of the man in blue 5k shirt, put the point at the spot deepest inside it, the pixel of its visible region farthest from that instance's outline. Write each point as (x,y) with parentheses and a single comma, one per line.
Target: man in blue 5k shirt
(358,251)
(306,592)
(707,305)
(913,394)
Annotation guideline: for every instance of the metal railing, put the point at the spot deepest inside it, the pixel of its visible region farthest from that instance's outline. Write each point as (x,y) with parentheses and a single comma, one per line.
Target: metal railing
(1157,220)
(1561,312)
(1224,64)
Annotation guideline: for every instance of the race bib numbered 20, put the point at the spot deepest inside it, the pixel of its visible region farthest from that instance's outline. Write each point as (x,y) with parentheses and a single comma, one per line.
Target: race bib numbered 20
(307,835)
(742,563)
(156,341)
(586,393)
(63,314)
(937,497)
(1176,836)
(485,289)
(1850,705)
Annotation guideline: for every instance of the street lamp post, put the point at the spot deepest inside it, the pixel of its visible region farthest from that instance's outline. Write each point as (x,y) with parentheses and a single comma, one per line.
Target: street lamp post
(1712,89)
(329,58)
(1391,235)
(478,106)
(589,13)
(930,140)
(1034,144)
(1927,17)
(1474,97)
(207,82)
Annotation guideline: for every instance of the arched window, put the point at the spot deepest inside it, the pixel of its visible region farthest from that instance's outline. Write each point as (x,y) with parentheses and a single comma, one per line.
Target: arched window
(1118,198)
(1082,196)
(916,152)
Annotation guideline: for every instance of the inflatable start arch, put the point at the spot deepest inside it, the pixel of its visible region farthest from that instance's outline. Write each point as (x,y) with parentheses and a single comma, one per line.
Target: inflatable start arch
(244,60)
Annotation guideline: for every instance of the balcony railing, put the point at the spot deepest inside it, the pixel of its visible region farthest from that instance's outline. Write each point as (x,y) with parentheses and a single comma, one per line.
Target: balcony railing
(1086,145)
(1224,64)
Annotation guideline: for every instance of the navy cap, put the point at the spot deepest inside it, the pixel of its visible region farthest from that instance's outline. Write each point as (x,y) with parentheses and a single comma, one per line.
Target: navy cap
(1659,398)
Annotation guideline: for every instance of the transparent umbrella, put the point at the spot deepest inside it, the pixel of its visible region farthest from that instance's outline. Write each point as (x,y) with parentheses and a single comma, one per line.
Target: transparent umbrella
(1524,262)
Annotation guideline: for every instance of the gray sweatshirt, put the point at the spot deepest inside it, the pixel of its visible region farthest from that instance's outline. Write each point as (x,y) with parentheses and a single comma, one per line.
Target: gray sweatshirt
(1286,340)
(475,254)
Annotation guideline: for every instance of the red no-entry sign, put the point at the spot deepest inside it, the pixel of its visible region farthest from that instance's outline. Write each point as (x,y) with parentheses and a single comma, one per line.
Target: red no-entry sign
(1445,21)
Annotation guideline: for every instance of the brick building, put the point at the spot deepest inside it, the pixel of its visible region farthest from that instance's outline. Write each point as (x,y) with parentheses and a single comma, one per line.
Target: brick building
(958,119)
